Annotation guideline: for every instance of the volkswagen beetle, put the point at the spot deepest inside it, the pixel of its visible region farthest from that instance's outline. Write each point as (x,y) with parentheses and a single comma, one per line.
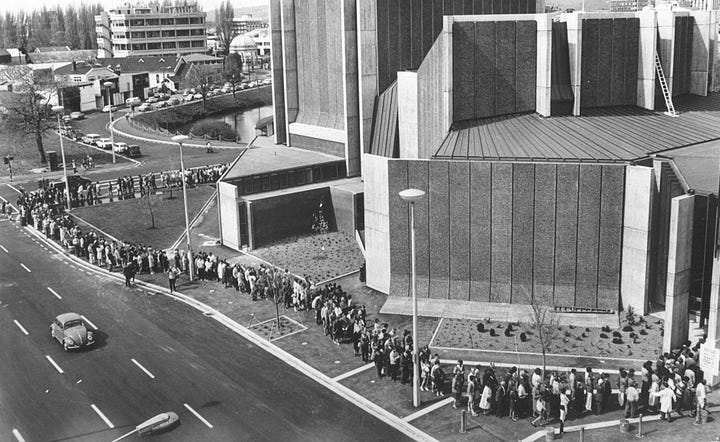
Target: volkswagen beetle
(70,331)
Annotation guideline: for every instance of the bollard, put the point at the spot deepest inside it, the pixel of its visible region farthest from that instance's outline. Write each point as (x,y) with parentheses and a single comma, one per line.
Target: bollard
(639,434)
(582,434)
(462,422)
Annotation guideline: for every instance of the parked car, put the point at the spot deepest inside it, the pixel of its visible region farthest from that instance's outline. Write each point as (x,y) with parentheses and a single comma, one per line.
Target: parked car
(173,101)
(197,96)
(133,151)
(189,97)
(108,108)
(90,138)
(66,119)
(152,100)
(77,115)
(133,101)
(104,143)
(144,107)
(70,331)
(75,182)
(252,84)
(120,148)
(266,81)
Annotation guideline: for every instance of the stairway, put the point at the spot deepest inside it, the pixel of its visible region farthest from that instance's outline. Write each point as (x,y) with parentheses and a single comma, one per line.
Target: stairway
(664,87)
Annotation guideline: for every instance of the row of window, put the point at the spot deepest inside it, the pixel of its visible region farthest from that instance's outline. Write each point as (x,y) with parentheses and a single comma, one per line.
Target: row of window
(164,45)
(159,21)
(290,178)
(165,34)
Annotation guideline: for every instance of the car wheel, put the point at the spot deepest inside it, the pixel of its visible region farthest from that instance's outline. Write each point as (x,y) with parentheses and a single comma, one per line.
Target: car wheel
(65,346)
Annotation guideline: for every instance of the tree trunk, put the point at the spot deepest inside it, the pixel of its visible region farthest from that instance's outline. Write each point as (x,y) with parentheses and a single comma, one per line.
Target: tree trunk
(40,147)
(277,315)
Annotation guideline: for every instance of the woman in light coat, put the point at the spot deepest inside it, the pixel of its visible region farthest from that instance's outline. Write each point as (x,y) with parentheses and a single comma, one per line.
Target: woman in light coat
(485,399)
(654,387)
(666,395)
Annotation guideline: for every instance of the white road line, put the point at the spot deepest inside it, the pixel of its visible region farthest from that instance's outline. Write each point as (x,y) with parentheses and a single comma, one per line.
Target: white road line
(353,372)
(13,188)
(4,249)
(428,409)
(102,416)
(25,267)
(147,372)
(57,367)
(18,436)
(89,322)
(22,329)
(54,293)
(197,415)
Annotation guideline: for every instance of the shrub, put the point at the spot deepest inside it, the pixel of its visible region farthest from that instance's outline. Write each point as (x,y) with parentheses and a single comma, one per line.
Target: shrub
(583,335)
(628,328)
(603,335)
(579,338)
(567,333)
(480,327)
(509,328)
(617,334)
(633,335)
(606,329)
(630,315)
(507,331)
(523,337)
(493,332)
(213,129)
(643,332)
(617,341)
(587,330)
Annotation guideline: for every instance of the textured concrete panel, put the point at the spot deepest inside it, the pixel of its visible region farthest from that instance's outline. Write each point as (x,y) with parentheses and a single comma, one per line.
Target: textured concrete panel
(590,55)
(526,65)
(439,223)
(632,43)
(610,245)
(459,178)
(393,60)
(480,231)
(588,235)
(416,38)
(544,233)
(383,44)
(484,87)
(523,221)
(405,34)
(505,75)
(566,234)
(398,227)
(463,70)
(502,217)
(617,76)
(605,62)
(427,32)
(418,179)
(323,44)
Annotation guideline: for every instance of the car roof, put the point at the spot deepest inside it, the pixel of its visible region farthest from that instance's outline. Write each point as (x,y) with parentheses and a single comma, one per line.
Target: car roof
(93,135)
(70,316)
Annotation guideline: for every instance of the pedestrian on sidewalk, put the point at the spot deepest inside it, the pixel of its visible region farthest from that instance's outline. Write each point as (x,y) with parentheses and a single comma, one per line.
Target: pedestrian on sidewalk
(457,388)
(471,395)
(666,396)
(208,147)
(564,406)
(172,278)
(700,401)
(632,396)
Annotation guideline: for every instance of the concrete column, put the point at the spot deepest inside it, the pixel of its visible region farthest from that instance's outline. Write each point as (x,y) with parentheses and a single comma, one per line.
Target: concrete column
(635,283)
(251,233)
(367,67)
(704,32)
(377,222)
(678,274)
(353,149)
(446,35)
(646,59)
(290,76)
(574,29)
(407,98)
(276,60)
(543,91)
(666,44)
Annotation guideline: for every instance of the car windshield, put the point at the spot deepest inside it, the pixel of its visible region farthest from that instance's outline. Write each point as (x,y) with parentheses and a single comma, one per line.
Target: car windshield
(73,323)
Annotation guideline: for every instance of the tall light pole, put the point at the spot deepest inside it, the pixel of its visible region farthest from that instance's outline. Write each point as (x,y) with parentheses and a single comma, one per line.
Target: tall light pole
(412,196)
(59,110)
(179,139)
(108,85)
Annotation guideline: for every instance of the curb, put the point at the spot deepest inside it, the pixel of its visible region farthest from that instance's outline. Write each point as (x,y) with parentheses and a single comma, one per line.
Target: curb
(172,143)
(294,362)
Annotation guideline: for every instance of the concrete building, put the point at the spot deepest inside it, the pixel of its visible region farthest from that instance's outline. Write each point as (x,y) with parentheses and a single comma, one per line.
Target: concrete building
(627,5)
(246,23)
(151,30)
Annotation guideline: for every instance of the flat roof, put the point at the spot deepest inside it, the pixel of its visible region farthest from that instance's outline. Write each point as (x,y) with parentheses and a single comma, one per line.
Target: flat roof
(260,160)
(609,134)
(699,165)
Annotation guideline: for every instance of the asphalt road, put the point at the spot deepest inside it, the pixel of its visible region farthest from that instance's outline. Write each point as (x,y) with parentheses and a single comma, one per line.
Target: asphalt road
(153,354)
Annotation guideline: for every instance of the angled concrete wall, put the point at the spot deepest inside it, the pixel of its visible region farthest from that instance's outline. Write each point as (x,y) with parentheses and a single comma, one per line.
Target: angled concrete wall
(646,60)
(702,58)
(228,208)
(289,62)
(377,222)
(367,67)
(276,60)
(407,112)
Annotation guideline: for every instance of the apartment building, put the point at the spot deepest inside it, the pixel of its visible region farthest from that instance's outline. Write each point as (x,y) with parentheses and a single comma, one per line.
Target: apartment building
(151,30)
(246,23)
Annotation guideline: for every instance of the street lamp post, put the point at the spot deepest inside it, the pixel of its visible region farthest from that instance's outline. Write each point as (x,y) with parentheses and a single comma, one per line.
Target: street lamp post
(412,196)
(59,110)
(179,139)
(108,85)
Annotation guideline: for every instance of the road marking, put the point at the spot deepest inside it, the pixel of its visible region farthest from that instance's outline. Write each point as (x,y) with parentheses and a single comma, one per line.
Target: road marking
(4,249)
(54,293)
(13,188)
(25,267)
(89,322)
(57,367)
(102,416)
(428,409)
(197,415)
(147,372)
(18,436)
(353,372)
(21,327)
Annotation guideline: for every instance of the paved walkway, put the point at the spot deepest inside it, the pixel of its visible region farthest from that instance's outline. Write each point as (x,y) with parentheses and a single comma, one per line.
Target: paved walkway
(453,309)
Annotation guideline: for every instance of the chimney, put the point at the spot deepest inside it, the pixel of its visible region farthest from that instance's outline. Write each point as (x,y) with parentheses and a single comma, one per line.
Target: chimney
(74,65)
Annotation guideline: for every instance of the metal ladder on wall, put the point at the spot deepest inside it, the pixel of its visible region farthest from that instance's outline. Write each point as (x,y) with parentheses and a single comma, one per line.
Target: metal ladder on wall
(664,87)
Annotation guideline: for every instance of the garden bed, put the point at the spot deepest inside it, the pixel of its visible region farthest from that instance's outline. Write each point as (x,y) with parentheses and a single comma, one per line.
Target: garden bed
(270,331)
(642,340)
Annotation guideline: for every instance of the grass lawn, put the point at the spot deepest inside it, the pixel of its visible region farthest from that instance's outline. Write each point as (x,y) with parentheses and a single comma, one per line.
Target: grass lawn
(463,333)
(26,156)
(130,222)
(306,256)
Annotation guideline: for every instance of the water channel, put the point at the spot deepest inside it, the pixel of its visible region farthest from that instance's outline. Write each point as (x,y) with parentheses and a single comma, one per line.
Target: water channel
(243,122)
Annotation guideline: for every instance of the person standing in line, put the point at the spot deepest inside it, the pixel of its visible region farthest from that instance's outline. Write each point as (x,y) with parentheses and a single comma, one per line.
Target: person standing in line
(589,387)
(700,401)
(470,395)
(632,396)
(564,405)
(666,396)
(172,278)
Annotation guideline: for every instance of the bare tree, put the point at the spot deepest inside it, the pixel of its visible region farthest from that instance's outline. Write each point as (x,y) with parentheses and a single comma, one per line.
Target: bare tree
(545,324)
(224,25)
(201,77)
(233,70)
(277,287)
(29,110)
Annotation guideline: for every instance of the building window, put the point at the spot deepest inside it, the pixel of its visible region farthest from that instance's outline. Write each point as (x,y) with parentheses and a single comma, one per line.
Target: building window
(198,44)
(137,35)
(152,34)
(184,44)
(152,22)
(137,22)
(182,33)
(182,21)
(168,33)
(197,32)
(138,47)
(169,45)
(153,46)
(77,78)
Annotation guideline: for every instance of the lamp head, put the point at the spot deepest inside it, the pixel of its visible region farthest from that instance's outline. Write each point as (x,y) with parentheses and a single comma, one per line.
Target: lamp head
(179,138)
(58,109)
(412,195)
(108,84)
